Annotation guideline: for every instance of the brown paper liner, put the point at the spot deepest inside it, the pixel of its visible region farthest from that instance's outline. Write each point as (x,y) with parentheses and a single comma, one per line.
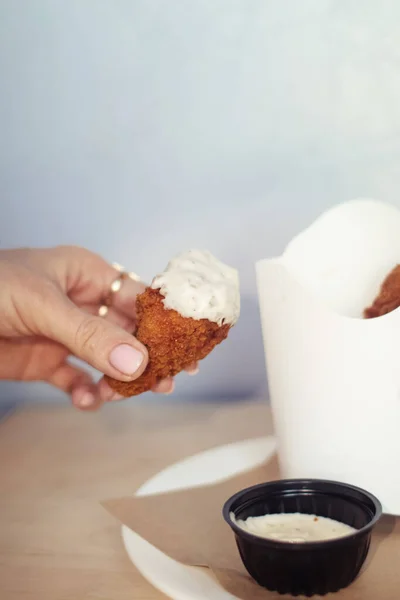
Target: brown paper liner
(188,526)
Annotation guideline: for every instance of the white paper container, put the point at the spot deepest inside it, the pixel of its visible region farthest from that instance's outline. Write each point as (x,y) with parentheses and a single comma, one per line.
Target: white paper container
(334,377)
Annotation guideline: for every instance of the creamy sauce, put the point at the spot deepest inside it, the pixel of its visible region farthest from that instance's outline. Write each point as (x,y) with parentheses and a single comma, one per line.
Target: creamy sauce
(199,286)
(294,527)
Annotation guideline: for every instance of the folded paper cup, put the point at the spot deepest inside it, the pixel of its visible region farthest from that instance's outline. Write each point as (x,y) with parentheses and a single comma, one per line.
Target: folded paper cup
(334,377)
(305,568)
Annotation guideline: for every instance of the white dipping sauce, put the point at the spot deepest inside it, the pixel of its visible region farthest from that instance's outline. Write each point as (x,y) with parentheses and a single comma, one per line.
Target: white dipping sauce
(294,527)
(199,286)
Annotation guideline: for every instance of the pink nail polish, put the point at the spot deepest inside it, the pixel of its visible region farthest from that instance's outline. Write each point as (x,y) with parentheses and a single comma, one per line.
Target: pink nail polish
(193,371)
(87,400)
(126,359)
(171,390)
(115,397)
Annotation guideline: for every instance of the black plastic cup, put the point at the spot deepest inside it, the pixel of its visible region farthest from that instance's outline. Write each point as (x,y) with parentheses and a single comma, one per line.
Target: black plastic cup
(305,568)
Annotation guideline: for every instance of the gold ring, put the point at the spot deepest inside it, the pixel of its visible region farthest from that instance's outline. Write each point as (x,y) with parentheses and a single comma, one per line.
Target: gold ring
(115,287)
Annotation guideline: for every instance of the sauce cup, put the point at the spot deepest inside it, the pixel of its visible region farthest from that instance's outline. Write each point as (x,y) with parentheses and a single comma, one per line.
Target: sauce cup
(305,568)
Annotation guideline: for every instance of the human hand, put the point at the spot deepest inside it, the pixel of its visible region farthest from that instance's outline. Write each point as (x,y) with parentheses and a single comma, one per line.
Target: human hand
(49,304)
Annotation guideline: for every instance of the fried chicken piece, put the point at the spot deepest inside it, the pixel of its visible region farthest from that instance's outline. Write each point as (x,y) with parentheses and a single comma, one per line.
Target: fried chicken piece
(388,298)
(173,342)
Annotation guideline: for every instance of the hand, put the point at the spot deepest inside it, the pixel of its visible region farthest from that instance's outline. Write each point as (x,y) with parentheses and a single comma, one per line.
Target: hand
(49,301)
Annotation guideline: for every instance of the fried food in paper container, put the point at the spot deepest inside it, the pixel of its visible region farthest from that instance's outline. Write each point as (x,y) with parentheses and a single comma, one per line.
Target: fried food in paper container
(388,298)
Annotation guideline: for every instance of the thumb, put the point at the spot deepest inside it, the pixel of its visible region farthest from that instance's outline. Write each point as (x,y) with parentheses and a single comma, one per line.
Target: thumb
(106,347)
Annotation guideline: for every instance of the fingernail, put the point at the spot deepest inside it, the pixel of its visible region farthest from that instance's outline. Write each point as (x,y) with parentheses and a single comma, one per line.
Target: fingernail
(126,359)
(193,371)
(87,400)
(115,397)
(171,390)
(165,386)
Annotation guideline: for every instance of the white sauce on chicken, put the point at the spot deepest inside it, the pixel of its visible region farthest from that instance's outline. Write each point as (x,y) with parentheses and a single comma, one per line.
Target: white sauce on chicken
(199,286)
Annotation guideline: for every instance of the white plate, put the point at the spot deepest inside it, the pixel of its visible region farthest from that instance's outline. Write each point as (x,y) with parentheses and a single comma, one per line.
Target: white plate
(174,579)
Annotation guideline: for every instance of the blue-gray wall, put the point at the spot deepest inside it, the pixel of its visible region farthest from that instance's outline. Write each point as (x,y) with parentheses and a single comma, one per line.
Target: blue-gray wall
(139,128)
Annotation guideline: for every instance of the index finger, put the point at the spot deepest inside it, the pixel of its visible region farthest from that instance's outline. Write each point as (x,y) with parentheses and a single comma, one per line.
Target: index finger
(87,279)
(124,300)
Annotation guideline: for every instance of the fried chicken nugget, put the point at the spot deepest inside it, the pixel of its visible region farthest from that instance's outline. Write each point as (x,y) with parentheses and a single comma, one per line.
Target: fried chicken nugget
(187,311)
(388,298)
(173,342)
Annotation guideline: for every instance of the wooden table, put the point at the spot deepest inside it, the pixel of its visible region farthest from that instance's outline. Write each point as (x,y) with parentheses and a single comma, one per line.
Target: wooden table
(57,464)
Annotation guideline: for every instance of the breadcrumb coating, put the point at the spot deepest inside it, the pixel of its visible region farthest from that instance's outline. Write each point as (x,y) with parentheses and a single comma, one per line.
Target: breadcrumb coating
(388,298)
(173,342)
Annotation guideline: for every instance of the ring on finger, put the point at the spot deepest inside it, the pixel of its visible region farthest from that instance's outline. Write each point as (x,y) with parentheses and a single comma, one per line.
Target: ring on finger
(115,287)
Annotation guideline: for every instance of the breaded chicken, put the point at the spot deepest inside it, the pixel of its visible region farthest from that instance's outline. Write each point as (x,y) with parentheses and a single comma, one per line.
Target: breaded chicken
(388,298)
(188,310)
(173,342)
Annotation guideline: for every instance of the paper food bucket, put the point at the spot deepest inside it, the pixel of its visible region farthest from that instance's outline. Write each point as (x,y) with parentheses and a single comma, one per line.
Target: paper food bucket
(334,376)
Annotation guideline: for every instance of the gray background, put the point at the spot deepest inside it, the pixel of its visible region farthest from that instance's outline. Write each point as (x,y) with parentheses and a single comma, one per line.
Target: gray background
(139,128)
